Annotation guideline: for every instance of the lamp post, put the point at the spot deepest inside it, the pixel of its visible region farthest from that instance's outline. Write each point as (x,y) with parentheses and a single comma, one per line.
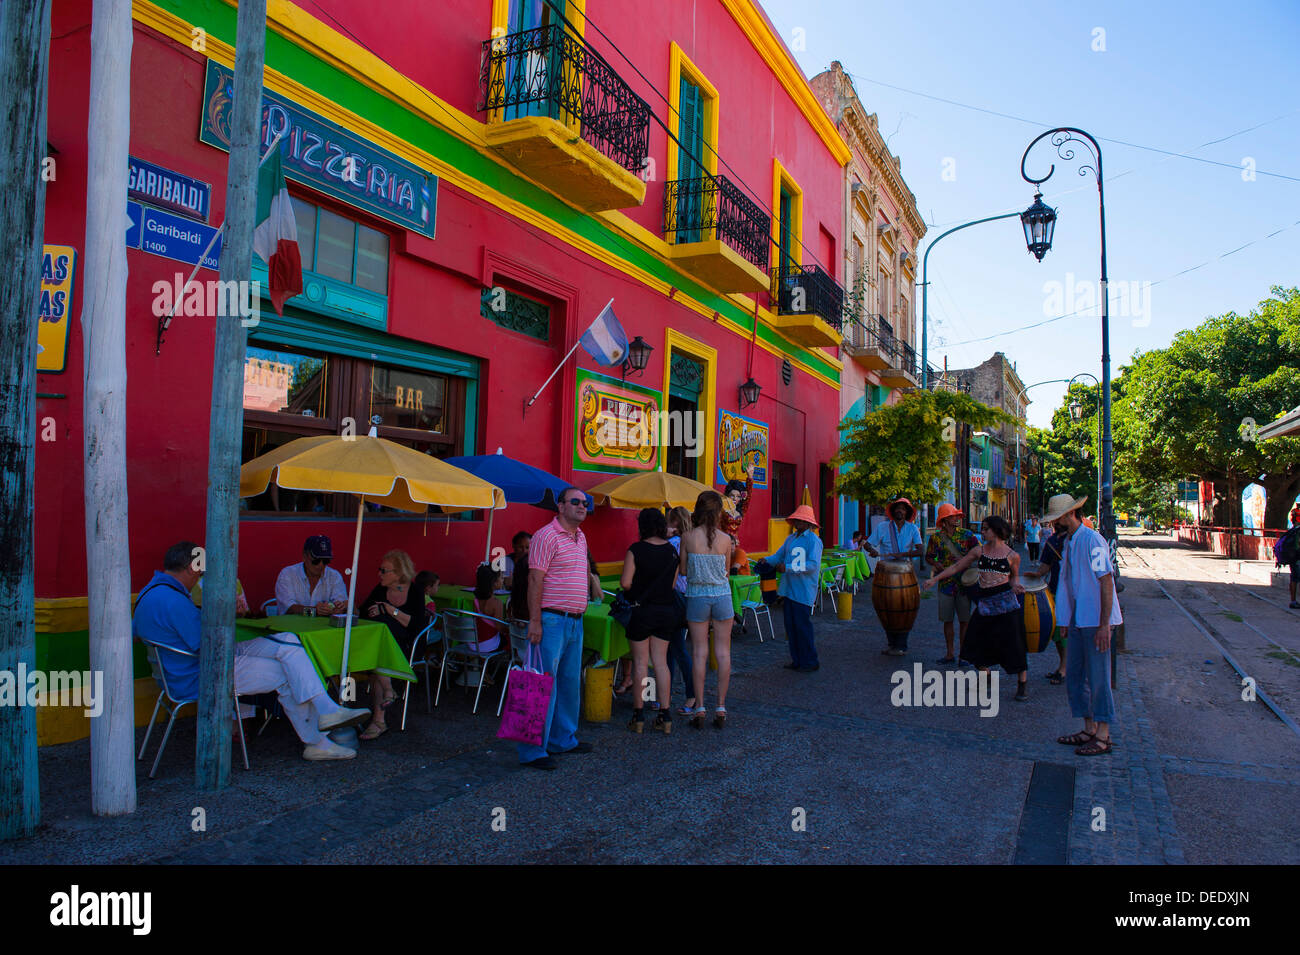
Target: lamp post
(1076,412)
(1039,222)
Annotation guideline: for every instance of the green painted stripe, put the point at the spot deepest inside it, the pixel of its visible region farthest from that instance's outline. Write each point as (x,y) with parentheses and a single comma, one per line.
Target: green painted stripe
(219,20)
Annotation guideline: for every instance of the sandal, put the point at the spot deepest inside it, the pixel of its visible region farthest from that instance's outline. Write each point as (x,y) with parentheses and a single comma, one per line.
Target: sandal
(688,709)
(1056,679)
(720,717)
(375,730)
(697,718)
(1098,747)
(1080,738)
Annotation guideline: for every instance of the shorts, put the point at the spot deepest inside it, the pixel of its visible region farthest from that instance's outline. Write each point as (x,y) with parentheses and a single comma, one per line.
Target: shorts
(955,602)
(702,609)
(1059,637)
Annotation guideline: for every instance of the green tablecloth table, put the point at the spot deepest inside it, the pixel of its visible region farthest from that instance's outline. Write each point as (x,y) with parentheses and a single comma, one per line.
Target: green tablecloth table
(604,634)
(745,587)
(372,646)
(453,597)
(855,564)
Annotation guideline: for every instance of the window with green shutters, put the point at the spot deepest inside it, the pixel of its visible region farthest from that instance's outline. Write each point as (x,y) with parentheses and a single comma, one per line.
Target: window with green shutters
(516,312)
(685,377)
(690,155)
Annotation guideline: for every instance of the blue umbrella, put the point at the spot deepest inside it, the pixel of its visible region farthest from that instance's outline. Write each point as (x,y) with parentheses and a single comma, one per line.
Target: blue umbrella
(522,483)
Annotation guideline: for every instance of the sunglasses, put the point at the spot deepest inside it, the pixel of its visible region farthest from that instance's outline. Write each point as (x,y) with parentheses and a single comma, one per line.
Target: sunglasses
(321,560)
(386,570)
(577,502)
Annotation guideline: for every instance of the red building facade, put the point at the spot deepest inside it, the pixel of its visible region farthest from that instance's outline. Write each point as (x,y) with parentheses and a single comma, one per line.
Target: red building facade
(462,220)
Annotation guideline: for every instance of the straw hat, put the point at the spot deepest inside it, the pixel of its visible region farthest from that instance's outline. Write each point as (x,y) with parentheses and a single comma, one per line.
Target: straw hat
(947,510)
(804,513)
(1061,504)
(911,511)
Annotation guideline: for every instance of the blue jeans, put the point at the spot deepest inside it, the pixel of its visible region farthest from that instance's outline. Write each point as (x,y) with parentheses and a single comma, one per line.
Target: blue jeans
(561,649)
(679,656)
(1087,676)
(799,631)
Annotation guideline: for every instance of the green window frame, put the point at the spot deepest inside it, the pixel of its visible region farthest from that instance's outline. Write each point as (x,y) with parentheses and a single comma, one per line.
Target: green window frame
(518,313)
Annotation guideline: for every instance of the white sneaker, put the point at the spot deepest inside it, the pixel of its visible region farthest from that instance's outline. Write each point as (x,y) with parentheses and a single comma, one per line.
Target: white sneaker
(345,716)
(327,749)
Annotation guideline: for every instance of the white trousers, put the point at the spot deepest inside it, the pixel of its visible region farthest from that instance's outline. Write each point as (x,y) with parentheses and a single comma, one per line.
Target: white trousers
(279,664)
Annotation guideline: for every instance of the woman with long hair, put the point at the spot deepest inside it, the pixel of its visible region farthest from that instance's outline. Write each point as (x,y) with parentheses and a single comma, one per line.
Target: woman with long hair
(996,633)
(649,572)
(705,559)
(396,604)
(679,654)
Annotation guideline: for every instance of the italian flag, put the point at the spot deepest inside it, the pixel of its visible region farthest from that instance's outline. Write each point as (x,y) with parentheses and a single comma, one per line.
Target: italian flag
(275,238)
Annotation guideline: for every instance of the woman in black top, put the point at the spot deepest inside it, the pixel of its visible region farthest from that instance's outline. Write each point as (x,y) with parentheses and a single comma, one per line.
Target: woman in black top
(996,634)
(398,605)
(649,572)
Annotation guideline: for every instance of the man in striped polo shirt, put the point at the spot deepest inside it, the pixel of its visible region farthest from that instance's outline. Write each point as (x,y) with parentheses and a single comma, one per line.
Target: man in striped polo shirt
(559,584)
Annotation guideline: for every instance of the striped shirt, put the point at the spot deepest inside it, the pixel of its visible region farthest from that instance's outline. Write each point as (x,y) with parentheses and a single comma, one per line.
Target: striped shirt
(562,559)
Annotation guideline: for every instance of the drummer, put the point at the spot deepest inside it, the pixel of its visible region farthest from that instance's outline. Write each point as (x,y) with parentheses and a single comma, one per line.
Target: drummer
(897,539)
(949,543)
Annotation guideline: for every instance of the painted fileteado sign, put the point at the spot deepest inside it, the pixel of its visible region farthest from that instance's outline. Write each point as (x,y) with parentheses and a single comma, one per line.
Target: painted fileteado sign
(58,263)
(979,479)
(618,425)
(742,443)
(325,156)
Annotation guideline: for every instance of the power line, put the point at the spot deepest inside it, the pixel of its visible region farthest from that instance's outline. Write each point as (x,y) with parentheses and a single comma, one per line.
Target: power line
(1118,142)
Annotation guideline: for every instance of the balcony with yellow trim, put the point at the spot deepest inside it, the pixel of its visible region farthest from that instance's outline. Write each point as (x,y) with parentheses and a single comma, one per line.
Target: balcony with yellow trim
(809,305)
(717,233)
(904,371)
(561,115)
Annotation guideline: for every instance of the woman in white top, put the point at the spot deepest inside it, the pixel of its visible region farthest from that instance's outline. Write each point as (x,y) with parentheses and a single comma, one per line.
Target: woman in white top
(705,557)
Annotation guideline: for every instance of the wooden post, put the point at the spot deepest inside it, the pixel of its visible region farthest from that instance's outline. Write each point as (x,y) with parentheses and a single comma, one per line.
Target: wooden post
(103,328)
(217,657)
(24,76)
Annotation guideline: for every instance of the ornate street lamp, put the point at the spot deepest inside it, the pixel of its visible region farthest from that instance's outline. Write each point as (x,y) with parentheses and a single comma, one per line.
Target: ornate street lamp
(638,356)
(1039,221)
(749,393)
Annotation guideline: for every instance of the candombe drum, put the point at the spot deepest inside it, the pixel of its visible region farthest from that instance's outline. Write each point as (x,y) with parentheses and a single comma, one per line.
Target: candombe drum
(1039,614)
(896,596)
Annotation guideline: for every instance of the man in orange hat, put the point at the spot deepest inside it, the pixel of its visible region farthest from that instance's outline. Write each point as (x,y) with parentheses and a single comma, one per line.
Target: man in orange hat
(897,539)
(799,559)
(949,543)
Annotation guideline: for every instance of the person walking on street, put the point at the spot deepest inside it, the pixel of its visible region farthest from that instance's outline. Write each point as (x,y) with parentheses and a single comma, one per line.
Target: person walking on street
(1032,533)
(1087,602)
(949,543)
(705,558)
(1049,566)
(560,582)
(679,653)
(799,560)
(649,572)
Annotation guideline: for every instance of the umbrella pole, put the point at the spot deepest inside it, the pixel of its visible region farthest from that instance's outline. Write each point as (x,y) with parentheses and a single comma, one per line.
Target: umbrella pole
(487,546)
(352,603)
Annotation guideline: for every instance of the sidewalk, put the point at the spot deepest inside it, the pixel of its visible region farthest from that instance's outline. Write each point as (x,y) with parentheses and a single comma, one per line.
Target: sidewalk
(1205,780)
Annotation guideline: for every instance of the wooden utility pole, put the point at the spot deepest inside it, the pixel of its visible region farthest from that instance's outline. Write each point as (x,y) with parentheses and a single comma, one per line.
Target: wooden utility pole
(24,82)
(217,657)
(103,329)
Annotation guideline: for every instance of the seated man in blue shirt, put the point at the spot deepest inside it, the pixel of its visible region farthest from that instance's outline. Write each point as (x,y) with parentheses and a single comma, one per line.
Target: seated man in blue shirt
(165,614)
(799,559)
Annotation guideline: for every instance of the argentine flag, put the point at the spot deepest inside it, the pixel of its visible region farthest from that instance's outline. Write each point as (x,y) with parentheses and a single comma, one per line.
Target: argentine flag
(605,341)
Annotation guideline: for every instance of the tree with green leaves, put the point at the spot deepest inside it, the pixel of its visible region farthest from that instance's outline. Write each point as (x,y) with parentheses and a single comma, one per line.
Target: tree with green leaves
(1192,408)
(906,449)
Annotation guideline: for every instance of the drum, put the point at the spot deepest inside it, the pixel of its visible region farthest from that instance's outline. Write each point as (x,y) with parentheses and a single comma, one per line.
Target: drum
(896,596)
(1040,617)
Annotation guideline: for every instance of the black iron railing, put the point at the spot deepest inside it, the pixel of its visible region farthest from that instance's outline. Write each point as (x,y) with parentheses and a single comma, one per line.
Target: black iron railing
(888,342)
(712,207)
(802,289)
(866,333)
(907,361)
(550,72)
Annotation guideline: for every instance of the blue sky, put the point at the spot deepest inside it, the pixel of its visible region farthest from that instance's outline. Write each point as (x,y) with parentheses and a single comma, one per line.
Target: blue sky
(1174,76)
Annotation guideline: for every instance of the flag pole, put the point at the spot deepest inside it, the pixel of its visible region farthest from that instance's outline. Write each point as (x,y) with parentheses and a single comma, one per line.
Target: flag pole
(529,404)
(167,319)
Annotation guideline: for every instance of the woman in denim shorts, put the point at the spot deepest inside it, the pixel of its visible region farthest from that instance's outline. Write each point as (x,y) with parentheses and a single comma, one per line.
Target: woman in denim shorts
(705,557)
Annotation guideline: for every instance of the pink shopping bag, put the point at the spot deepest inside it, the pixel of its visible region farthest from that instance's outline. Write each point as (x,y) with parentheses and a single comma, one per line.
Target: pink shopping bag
(528,699)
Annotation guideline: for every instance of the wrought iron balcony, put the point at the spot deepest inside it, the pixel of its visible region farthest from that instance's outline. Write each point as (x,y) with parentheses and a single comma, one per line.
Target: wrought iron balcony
(712,207)
(808,290)
(550,74)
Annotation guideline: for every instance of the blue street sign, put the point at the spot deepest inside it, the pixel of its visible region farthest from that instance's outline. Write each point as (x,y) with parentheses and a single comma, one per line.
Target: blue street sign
(134,214)
(178,238)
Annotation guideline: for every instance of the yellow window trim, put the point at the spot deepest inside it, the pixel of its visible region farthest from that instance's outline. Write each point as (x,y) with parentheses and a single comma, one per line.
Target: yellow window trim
(678,64)
(782,178)
(575,11)
(709,403)
(335,49)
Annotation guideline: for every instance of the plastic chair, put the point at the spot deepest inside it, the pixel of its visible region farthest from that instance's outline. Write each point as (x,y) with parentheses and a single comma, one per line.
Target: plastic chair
(752,602)
(174,705)
(271,608)
(460,642)
(422,636)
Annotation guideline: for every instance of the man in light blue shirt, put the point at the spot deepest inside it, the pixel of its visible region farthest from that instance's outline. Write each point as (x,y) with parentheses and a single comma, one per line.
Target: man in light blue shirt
(897,539)
(1087,606)
(799,559)
(1032,530)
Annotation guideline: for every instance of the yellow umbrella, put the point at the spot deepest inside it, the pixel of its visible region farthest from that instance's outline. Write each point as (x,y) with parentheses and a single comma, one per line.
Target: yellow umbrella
(377,470)
(648,489)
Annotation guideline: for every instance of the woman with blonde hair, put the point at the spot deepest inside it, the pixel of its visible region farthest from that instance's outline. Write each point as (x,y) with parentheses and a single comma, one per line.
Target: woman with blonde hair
(705,559)
(398,605)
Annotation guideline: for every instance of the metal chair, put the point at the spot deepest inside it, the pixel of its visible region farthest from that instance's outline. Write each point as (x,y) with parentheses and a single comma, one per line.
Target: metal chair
(752,602)
(423,661)
(271,608)
(460,642)
(174,705)
(518,654)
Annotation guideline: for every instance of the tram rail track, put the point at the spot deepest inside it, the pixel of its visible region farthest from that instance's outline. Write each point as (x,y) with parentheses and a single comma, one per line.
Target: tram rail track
(1260,693)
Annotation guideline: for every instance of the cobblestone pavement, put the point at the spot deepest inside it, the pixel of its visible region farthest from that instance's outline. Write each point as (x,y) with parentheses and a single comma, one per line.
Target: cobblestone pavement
(813,767)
